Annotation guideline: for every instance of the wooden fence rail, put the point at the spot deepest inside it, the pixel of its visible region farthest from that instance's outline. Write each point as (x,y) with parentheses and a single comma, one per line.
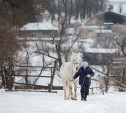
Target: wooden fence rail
(8,76)
(30,76)
(32,86)
(32,66)
(121,85)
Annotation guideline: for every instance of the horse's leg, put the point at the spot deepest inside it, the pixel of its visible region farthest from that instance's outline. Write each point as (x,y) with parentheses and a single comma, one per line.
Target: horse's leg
(75,92)
(71,91)
(64,88)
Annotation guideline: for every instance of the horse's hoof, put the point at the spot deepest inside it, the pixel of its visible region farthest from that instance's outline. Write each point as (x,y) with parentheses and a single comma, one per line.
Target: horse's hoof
(68,98)
(72,98)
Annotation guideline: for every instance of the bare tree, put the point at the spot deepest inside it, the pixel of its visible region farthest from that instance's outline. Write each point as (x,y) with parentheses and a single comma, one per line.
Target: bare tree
(8,44)
(76,8)
(119,38)
(115,40)
(13,14)
(65,9)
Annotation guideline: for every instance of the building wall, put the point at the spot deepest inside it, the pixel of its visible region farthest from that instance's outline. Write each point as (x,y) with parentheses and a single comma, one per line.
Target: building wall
(94,21)
(97,58)
(39,34)
(118,6)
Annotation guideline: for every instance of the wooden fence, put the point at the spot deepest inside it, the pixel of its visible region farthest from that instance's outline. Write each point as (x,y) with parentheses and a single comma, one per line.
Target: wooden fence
(118,83)
(8,76)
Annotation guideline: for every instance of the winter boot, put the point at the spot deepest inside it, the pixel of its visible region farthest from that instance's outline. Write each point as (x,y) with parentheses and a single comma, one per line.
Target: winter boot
(85,97)
(82,96)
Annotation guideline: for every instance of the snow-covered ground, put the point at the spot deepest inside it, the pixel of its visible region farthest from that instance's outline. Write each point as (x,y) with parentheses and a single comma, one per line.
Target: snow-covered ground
(37,102)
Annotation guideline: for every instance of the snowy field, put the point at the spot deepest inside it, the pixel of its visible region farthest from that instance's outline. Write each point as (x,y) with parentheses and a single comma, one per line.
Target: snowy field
(37,102)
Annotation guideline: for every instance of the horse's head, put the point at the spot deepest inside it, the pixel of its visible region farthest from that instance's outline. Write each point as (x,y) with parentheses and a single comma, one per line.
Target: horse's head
(75,60)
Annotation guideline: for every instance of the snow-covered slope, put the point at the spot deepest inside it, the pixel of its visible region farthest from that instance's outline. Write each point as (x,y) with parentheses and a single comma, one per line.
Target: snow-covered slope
(34,102)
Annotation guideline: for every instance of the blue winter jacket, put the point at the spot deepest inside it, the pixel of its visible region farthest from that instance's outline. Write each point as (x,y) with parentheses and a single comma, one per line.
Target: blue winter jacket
(83,80)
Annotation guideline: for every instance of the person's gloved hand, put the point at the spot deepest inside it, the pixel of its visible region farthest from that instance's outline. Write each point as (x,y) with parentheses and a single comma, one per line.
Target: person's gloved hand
(72,79)
(88,75)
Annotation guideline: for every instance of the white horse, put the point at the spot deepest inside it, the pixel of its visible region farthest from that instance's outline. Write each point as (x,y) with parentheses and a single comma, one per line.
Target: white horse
(67,71)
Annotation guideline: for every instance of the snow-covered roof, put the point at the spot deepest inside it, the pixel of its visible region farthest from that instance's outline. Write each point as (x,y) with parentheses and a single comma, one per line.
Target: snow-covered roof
(103,31)
(92,27)
(116,0)
(39,26)
(99,50)
(109,23)
(115,11)
(117,4)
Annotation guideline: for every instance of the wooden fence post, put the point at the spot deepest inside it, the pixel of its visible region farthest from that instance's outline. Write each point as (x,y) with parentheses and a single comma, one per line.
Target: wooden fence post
(101,84)
(107,79)
(6,77)
(3,78)
(10,75)
(124,74)
(26,77)
(52,76)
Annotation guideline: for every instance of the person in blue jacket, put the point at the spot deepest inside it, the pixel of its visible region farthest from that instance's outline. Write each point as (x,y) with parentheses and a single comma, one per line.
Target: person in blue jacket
(85,73)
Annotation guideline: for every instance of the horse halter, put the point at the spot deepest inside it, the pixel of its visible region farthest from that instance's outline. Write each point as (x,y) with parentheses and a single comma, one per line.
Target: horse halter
(76,63)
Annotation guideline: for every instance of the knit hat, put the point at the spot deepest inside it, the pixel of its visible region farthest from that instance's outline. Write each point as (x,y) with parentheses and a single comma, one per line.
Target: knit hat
(84,64)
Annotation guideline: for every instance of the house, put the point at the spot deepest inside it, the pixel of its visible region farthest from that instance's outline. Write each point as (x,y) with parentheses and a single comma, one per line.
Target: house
(106,19)
(39,30)
(102,23)
(98,56)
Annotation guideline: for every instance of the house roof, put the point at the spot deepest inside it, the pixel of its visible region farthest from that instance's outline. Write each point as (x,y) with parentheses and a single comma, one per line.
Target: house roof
(39,26)
(118,1)
(107,17)
(92,27)
(99,50)
(104,31)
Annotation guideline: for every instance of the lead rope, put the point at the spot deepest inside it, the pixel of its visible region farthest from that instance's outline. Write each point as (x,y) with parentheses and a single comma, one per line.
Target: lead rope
(82,84)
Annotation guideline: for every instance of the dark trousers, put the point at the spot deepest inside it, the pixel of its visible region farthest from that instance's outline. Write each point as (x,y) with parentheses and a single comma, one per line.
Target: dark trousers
(85,89)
